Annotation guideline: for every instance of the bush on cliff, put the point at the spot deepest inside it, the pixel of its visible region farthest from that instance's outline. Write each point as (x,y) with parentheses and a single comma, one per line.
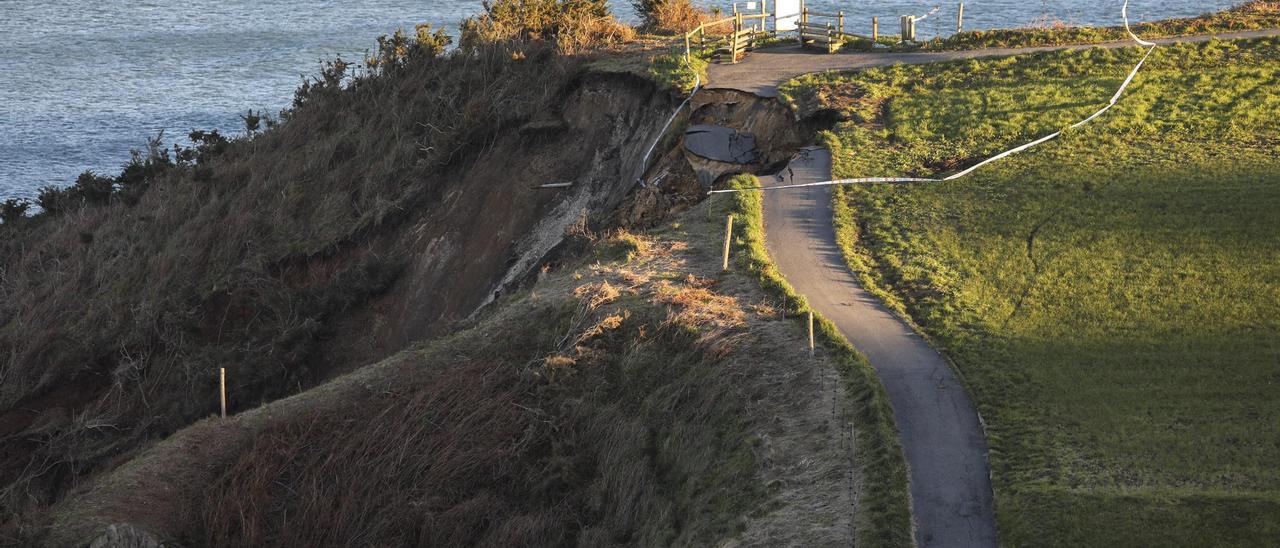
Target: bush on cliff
(572,25)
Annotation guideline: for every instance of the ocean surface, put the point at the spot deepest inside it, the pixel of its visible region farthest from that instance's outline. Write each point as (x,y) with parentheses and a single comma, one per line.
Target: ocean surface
(82,83)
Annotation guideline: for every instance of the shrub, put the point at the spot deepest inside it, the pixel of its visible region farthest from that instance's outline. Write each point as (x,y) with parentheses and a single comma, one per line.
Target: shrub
(89,189)
(327,84)
(207,144)
(395,50)
(53,200)
(572,25)
(13,209)
(93,189)
(144,168)
(669,16)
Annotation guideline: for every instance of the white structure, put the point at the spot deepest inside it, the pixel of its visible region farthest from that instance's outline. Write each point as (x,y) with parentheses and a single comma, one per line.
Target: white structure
(786,14)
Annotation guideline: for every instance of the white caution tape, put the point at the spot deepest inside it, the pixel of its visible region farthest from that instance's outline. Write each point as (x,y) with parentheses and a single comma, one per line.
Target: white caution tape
(1124,11)
(931,13)
(697,85)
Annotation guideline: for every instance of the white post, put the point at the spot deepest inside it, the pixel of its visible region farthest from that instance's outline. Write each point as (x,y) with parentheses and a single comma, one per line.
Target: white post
(728,238)
(812,346)
(222,389)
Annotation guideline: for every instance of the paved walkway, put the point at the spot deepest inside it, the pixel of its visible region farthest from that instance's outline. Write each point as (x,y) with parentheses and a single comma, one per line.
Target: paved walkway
(763,71)
(941,436)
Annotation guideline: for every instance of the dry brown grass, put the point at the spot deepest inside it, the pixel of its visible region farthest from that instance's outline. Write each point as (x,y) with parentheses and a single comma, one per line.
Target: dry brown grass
(497,451)
(670,16)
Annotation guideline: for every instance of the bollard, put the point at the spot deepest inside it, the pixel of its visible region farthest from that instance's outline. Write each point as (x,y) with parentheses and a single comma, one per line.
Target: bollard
(960,19)
(222,389)
(728,238)
(875,29)
(812,346)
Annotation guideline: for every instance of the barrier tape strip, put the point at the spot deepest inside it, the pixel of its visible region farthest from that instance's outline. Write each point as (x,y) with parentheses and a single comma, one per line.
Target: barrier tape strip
(928,15)
(697,86)
(1124,11)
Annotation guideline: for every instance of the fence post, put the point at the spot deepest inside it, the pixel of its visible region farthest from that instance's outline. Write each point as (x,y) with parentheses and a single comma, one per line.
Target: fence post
(222,389)
(840,21)
(908,28)
(686,49)
(728,238)
(875,30)
(811,338)
(960,19)
(733,45)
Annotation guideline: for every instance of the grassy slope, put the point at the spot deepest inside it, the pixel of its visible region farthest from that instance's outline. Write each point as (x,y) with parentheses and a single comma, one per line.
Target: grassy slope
(1111,297)
(636,397)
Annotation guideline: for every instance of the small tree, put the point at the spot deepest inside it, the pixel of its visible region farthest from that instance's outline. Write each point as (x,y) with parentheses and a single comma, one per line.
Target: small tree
(252,122)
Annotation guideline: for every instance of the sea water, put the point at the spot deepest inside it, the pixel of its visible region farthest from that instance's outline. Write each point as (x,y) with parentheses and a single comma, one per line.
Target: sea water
(82,83)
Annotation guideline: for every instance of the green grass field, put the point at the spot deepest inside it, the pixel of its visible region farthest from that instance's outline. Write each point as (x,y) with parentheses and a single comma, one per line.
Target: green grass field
(1250,15)
(1112,298)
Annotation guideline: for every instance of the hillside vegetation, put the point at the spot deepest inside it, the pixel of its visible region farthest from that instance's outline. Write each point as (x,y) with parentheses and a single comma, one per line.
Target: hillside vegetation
(374,212)
(1111,297)
(635,396)
(423,348)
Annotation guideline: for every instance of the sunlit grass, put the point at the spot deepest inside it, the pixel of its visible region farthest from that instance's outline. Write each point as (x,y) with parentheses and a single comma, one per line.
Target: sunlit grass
(1251,15)
(1113,297)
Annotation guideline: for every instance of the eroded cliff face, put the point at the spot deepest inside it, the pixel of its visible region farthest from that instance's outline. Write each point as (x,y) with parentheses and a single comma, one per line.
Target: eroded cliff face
(331,242)
(375,217)
(494,224)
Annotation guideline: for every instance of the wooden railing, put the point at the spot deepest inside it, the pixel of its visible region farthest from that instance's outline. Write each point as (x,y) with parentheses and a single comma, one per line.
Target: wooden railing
(701,33)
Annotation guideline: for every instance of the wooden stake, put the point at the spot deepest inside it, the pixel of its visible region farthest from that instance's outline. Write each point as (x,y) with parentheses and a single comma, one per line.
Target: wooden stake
(728,238)
(812,346)
(840,19)
(222,389)
(960,19)
(875,29)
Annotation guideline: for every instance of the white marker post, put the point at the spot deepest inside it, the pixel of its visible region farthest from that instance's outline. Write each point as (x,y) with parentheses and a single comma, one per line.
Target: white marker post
(812,345)
(222,389)
(728,239)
